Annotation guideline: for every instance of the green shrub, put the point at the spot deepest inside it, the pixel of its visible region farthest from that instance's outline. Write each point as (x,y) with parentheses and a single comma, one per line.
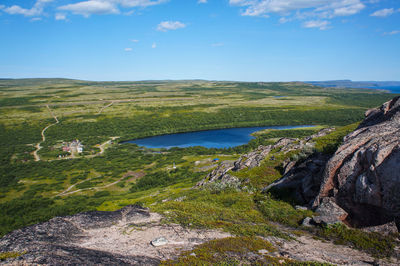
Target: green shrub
(280,211)
(329,144)
(101,194)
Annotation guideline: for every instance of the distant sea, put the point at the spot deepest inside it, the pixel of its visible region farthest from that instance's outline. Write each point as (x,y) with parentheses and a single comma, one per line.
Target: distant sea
(390,89)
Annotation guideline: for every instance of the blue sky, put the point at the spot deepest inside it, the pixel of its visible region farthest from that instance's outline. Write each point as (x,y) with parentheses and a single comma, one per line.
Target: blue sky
(246,40)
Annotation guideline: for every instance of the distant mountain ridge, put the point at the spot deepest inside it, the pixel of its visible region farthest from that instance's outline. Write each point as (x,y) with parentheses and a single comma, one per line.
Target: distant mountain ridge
(355,84)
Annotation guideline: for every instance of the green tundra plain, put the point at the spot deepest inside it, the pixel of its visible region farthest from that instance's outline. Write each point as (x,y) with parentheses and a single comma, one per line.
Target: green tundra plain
(38,180)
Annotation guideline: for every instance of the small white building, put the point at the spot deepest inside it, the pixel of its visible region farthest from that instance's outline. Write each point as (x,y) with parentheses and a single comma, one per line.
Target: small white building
(74,146)
(79,149)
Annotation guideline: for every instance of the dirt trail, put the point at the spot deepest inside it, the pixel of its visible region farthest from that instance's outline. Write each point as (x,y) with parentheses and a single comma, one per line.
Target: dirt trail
(37,146)
(71,187)
(102,147)
(66,192)
(104,107)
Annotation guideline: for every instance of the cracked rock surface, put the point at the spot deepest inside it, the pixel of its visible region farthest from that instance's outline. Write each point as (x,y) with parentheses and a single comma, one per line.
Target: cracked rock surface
(363,176)
(121,237)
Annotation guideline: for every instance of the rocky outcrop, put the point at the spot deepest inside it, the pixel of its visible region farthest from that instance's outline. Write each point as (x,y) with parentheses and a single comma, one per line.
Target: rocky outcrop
(303,178)
(130,236)
(225,171)
(254,158)
(219,174)
(363,176)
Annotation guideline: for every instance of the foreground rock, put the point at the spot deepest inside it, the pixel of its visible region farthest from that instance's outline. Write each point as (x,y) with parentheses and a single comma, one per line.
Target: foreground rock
(307,248)
(363,176)
(122,237)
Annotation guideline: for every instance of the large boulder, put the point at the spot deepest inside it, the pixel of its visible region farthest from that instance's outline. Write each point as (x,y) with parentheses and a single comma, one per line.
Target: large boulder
(303,180)
(328,212)
(363,176)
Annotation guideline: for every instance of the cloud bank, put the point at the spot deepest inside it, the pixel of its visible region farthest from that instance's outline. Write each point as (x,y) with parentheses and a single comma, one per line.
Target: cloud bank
(317,12)
(84,8)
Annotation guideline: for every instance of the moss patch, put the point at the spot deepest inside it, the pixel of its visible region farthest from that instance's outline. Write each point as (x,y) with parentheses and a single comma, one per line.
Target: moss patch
(372,243)
(233,251)
(232,211)
(10,255)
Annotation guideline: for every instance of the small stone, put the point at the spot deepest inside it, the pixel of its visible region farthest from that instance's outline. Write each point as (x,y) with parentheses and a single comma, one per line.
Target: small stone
(307,222)
(275,254)
(300,208)
(180,198)
(263,251)
(160,241)
(193,254)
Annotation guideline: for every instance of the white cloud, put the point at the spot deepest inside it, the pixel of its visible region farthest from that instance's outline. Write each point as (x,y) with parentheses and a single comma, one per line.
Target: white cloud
(202,1)
(299,9)
(90,7)
(137,3)
(170,25)
(154,45)
(218,44)
(99,7)
(129,13)
(321,24)
(2,6)
(383,12)
(339,8)
(394,32)
(283,20)
(135,41)
(128,49)
(60,16)
(35,19)
(36,10)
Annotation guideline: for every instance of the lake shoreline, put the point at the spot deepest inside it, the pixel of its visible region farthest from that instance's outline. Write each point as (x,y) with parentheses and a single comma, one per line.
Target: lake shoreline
(212,138)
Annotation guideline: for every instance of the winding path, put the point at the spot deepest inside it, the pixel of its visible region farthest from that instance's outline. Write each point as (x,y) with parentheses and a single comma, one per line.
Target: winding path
(37,146)
(66,192)
(102,147)
(104,107)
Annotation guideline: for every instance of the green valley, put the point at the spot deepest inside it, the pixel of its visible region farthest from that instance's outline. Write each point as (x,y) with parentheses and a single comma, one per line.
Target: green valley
(41,177)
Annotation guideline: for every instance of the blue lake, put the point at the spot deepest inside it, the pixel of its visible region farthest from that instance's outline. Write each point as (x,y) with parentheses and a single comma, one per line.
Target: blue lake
(219,138)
